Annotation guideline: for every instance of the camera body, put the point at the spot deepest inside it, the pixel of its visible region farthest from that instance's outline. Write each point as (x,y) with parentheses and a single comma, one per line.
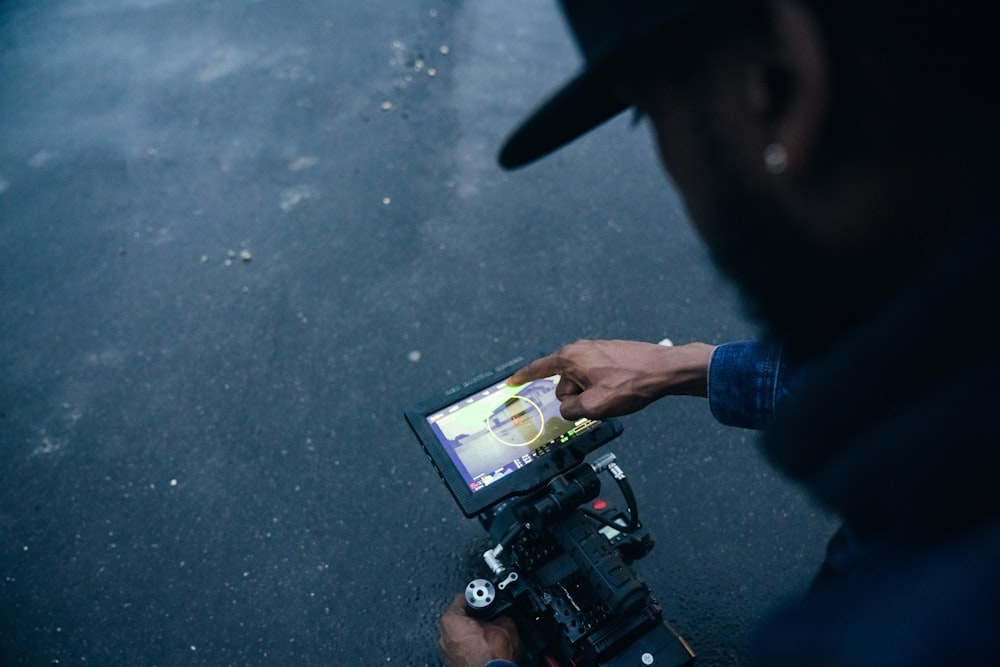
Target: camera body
(566,580)
(561,564)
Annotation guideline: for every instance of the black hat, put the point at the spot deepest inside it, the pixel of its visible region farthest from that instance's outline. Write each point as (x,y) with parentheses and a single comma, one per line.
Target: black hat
(604,30)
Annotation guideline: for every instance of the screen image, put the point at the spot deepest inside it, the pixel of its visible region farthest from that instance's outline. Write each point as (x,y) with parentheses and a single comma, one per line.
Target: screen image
(501,429)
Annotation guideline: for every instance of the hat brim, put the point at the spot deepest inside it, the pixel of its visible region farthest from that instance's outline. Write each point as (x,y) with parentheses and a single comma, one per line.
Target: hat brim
(583,104)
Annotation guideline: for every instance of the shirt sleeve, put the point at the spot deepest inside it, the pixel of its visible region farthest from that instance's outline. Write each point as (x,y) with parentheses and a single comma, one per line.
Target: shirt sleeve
(746,382)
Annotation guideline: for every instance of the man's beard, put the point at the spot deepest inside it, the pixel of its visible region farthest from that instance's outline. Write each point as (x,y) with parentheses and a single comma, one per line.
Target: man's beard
(787,284)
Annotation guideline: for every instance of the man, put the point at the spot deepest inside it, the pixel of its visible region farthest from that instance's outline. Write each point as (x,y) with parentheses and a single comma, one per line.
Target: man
(838,159)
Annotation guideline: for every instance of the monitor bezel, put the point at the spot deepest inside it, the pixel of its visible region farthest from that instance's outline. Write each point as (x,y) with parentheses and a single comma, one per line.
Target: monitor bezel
(519,482)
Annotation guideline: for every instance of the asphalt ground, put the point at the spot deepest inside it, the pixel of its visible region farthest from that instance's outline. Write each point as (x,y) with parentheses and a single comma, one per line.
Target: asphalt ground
(237,239)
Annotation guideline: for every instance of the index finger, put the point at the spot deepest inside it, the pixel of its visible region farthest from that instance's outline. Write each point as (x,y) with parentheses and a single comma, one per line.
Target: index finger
(536,370)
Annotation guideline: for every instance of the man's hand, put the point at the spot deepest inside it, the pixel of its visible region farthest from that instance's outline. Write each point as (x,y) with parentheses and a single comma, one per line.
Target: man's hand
(468,642)
(610,378)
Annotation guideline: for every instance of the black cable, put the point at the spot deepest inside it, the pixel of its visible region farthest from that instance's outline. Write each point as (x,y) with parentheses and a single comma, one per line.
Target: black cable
(630,504)
(512,534)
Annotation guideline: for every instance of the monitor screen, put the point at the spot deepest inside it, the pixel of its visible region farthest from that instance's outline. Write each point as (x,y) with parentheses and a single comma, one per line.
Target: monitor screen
(502,429)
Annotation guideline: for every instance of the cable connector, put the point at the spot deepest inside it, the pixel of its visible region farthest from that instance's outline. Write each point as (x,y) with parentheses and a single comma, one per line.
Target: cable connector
(616,471)
(604,462)
(608,462)
(491,556)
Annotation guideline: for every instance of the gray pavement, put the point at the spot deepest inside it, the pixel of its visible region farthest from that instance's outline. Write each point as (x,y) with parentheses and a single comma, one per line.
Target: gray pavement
(236,240)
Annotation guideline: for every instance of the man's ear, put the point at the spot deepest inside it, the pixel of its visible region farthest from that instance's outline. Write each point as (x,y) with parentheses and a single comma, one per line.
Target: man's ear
(788,88)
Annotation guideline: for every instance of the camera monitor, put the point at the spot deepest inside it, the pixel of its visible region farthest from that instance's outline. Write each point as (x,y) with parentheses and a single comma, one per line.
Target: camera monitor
(490,441)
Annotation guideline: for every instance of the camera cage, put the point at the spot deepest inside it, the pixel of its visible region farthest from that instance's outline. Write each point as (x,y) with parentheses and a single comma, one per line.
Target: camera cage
(560,566)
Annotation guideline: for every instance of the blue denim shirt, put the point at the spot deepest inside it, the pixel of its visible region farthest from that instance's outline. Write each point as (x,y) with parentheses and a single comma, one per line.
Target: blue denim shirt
(746,382)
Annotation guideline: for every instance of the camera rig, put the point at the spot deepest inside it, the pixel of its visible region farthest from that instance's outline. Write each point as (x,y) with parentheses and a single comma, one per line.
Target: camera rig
(561,562)
(561,570)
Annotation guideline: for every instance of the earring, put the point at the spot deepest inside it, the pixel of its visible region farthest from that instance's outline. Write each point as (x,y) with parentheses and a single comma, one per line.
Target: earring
(775,158)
